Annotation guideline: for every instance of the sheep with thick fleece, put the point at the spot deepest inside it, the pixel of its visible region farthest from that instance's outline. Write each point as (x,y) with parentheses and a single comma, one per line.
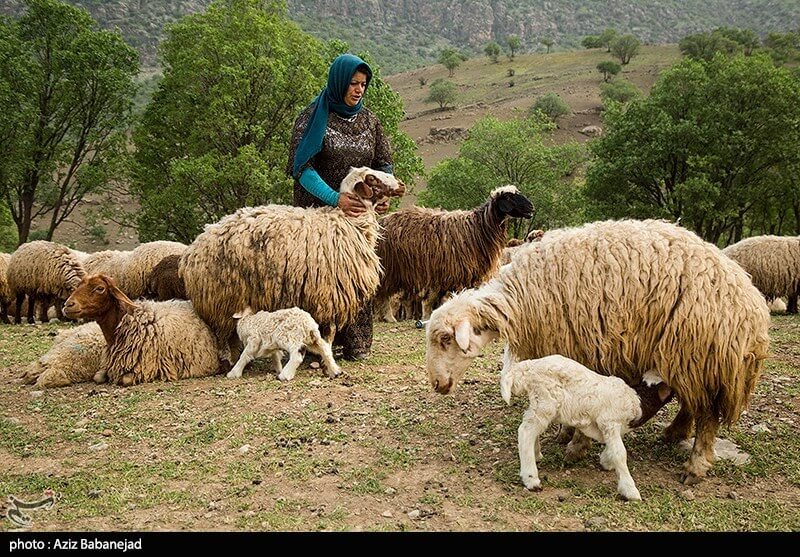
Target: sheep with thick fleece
(601,407)
(107,262)
(146,341)
(143,259)
(5,292)
(46,272)
(277,257)
(163,283)
(274,332)
(773,263)
(76,356)
(621,297)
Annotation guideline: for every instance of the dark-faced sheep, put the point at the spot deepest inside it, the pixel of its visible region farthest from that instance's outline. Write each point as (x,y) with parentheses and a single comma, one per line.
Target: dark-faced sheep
(164,282)
(621,297)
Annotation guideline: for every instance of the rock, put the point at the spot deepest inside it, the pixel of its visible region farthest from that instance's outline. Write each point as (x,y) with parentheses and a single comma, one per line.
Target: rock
(390,491)
(724,449)
(36,394)
(596,523)
(413,515)
(688,494)
(314,365)
(79,430)
(94,494)
(760,428)
(244,448)
(733,495)
(101,446)
(386,514)
(106,433)
(592,131)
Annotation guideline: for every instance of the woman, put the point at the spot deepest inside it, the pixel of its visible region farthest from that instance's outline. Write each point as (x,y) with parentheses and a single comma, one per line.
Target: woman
(332,134)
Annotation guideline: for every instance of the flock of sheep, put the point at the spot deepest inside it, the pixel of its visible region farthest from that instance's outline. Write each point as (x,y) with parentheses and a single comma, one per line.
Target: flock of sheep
(647,302)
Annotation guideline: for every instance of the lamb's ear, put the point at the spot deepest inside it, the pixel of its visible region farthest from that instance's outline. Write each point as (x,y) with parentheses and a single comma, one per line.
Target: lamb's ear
(238,315)
(664,392)
(463,331)
(505,387)
(363,190)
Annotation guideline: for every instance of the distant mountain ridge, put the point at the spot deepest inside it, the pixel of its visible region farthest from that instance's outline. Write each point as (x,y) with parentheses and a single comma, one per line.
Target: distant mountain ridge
(402,34)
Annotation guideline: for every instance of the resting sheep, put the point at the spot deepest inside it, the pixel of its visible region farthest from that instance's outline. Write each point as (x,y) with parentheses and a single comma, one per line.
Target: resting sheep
(602,408)
(621,297)
(429,252)
(146,341)
(773,263)
(275,257)
(283,330)
(75,357)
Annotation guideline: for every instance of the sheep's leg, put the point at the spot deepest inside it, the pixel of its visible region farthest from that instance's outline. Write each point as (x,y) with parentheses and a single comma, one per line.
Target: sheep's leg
(4,312)
(324,349)
(702,457)
(565,434)
(534,422)
(429,303)
(680,428)
(249,353)
(20,298)
(101,376)
(31,308)
(386,309)
(295,359)
(614,457)
(578,447)
(791,305)
(45,302)
(59,311)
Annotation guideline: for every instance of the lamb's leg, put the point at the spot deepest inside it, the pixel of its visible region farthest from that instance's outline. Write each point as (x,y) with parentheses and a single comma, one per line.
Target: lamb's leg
(680,428)
(614,457)
(702,457)
(324,349)
(578,447)
(565,434)
(277,363)
(295,359)
(249,353)
(534,422)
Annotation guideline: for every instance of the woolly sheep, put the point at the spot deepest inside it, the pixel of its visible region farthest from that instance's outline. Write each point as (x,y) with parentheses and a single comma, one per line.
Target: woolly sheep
(107,262)
(601,407)
(288,330)
(275,257)
(164,282)
(5,291)
(773,263)
(143,260)
(45,272)
(511,249)
(75,357)
(430,252)
(145,341)
(621,297)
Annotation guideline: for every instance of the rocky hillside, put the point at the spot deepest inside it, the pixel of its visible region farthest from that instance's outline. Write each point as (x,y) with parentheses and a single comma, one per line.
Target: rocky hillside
(404,34)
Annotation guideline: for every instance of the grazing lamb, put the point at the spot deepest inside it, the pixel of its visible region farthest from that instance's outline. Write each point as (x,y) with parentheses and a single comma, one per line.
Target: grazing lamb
(146,341)
(164,282)
(5,291)
(45,272)
(75,357)
(621,297)
(602,408)
(284,330)
(773,263)
(276,257)
(429,252)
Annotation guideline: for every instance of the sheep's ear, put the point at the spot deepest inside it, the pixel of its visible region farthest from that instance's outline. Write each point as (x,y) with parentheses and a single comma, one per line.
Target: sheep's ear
(505,387)
(463,331)
(363,190)
(238,315)
(125,303)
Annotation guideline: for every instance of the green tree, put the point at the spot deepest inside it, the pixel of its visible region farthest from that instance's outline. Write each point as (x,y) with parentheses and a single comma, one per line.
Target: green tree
(704,147)
(492,50)
(548,43)
(442,92)
(591,41)
(625,48)
(608,68)
(783,47)
(551,105)
(515,152)
(703,46)
(8,231)
(66,90)
(607,38)
(619,90)
(450,59)
(514,44)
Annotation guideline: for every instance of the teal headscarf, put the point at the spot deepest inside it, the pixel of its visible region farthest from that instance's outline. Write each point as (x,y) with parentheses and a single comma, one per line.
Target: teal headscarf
(331,98)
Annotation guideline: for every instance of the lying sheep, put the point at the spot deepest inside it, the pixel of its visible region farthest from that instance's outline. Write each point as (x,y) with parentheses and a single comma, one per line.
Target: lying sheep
(75,357)
(146,341)
(773,263)
(602,408)
(621,297)
(143,259)
(276,257)
(283,330)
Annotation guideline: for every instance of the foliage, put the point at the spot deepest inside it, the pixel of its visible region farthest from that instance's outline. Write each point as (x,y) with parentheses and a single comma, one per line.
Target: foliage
(625,48)
(514,152)
(66,90)
(706,146)
(8,232)
(619,90)
(442,92)
(551,105)
(607,38)
(783,47)
(514,43)
(703,46)
(608,68)
(450,59)
(591,41)
(492,50)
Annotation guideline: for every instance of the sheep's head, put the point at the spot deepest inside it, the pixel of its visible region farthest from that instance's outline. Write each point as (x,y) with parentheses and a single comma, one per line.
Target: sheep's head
(454,337)
(508,201)
(94,297)
(372,186)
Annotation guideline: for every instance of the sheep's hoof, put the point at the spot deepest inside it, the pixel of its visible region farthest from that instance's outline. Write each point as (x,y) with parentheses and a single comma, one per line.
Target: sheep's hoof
(419,325)
(233,375)
(688,478)
(632,496)
(128,379)
(334,373)
(283,377)
(99,377)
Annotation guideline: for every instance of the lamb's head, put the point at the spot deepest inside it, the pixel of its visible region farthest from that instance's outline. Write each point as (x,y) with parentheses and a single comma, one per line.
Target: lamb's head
(455,335)
(372,186)
(653,394)
(508,201)
(95,296)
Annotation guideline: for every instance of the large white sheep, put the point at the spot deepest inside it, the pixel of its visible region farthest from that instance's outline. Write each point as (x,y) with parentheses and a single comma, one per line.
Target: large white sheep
(602,408)
(146,341)
(276,257)
(274,332)
(773,263)
(621,297)
(5,291)
(46,272)
(76,356)
(429,252)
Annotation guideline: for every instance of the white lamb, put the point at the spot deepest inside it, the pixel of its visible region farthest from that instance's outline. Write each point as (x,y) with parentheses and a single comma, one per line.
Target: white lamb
(601,407)
(271,332)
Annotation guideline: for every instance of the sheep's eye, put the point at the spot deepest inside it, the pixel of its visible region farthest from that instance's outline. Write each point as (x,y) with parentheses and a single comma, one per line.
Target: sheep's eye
(100,289)
(476,330)
(445,339)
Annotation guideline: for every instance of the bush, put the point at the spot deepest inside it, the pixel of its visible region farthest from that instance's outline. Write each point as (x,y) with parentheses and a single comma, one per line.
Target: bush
(608,68)
(442,92)
(551,105)
(8,232)
(619,90)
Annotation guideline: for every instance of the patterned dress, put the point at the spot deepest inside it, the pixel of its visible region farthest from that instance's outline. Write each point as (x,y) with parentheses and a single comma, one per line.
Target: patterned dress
(356,141)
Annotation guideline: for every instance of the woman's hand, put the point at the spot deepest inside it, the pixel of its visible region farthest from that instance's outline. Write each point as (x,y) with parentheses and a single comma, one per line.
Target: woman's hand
(351,205)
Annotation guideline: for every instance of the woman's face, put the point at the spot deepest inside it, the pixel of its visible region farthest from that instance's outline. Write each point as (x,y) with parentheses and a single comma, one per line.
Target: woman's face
(358,83)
